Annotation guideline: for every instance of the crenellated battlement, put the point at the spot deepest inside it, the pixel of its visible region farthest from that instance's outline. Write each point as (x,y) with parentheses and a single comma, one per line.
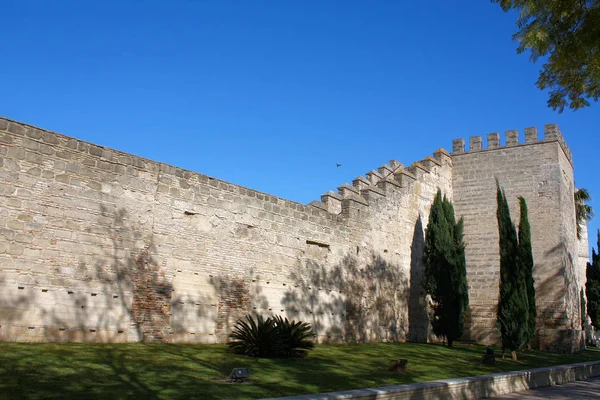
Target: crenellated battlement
(551,134)
(380,182)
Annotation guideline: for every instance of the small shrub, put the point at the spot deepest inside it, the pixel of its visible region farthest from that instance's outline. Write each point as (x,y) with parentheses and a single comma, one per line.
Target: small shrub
(273,337)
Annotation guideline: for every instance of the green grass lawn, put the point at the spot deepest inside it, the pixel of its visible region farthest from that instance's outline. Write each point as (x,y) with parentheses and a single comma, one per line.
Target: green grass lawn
(168,371)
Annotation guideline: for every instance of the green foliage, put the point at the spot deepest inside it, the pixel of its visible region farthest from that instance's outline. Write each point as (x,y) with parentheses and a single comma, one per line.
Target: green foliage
(592,287)
(583,212)
(445,270)
(513,307)
(294,338)
(271,337)
(567,32)
(525,259)
(253,338)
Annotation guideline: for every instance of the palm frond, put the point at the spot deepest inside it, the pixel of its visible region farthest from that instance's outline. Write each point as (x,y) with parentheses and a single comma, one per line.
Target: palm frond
(583,212)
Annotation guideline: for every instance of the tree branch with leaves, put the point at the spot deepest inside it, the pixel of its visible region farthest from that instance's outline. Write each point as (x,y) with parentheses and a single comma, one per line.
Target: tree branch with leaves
(567,33)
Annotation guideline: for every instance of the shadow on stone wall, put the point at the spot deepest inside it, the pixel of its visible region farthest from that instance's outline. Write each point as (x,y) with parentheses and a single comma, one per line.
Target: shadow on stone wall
(234,301)
(309,283)
(376,300)
(558,305)
(121,295)
(127,292)
(12,307)
(124,295)
(351,302)
(557,302)
(557,322)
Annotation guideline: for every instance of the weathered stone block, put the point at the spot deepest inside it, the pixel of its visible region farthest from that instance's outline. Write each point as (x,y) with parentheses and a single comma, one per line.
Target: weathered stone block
(31,144)
(16,129)
(34,158)
(6,139)
(72,143)
(531,135)
(458,146)
(493,140)
(15,249)
(95,151)
(45,149)
(475,143)
(512,137)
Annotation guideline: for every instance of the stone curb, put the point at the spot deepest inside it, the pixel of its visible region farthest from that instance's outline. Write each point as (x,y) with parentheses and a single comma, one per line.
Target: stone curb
(474,387)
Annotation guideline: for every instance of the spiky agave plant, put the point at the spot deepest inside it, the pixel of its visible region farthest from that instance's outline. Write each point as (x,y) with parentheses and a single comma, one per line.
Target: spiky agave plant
(271,337)
(294,338)
(254,338)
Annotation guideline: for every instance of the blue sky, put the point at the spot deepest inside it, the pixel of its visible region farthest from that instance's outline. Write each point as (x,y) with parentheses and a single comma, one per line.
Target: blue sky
(272,94)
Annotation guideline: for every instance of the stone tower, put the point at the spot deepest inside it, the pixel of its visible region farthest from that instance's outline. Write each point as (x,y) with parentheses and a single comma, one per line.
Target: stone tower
(542,172)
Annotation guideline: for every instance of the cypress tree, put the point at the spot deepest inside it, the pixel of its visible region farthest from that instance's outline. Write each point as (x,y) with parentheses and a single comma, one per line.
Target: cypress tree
(525,255)
(583,308)
(459,281)
(513,307)
(592,287)
(445,270)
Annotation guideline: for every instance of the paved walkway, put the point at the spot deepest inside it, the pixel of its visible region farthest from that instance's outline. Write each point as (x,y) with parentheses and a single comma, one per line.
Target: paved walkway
(579,390)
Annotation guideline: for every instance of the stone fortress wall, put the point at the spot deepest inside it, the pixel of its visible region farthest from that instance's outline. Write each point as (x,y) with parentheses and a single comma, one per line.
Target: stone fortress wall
(100,245)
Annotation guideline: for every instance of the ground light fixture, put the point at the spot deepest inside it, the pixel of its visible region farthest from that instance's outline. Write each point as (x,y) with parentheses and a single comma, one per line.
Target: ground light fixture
(239,375)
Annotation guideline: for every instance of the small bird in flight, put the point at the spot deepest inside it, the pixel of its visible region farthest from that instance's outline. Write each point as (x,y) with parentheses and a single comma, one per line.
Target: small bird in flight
(338,165)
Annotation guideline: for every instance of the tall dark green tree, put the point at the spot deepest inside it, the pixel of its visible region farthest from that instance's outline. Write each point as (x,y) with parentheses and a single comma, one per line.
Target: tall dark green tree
(525,260)
(583,307)
(513,308)
(445,270)
(567,33)
(592,287)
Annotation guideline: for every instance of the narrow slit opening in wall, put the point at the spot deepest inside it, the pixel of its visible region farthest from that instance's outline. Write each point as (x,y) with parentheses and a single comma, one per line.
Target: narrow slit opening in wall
(315,243)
